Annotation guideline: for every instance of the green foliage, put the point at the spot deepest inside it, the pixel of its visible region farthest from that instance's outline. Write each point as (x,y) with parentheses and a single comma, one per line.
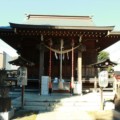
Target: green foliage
(103,55)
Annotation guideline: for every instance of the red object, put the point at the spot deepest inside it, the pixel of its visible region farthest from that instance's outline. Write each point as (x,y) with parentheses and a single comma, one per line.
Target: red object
(71,84)
(117,77)
(50,85)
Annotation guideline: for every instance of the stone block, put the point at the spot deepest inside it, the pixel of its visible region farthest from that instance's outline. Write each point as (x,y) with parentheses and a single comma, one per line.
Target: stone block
(5,104)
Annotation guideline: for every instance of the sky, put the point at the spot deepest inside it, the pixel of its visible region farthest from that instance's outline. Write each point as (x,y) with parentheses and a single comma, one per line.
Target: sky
(104,12)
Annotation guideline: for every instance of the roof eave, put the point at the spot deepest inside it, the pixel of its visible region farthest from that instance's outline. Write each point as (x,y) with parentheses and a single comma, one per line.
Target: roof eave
(115,33)
(101,28)
(6,28)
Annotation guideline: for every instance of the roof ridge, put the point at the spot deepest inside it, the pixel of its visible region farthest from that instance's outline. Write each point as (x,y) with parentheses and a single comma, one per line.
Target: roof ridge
(57,16)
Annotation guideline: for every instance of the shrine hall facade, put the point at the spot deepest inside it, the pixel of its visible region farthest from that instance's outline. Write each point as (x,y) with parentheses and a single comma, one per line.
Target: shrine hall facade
(60,46)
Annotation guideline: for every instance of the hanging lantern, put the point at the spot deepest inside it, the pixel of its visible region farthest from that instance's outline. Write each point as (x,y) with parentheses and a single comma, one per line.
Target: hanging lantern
(103,78)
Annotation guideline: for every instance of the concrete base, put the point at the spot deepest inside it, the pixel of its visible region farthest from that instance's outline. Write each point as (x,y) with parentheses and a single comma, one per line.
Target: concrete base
(7,115)
(77,89)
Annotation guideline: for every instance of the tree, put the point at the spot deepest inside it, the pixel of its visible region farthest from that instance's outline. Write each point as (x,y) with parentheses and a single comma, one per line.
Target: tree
(103,55)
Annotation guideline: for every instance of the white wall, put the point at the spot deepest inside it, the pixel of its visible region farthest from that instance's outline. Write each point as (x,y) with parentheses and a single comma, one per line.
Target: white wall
(8,66)
(9,54)
(1,60)
(114,51)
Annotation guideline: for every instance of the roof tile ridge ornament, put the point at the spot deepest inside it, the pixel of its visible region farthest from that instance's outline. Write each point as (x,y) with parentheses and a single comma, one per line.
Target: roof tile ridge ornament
(108,33)
(27,16)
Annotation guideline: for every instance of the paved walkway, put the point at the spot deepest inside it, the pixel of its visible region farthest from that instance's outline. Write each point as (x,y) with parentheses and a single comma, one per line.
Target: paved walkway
(89,102)
(72,113)
(64,115)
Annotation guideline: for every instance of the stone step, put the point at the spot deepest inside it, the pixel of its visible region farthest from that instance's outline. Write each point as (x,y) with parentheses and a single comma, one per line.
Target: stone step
(61,108)
(60,104)
(26,90)
(68,105)
(34,103)
(16,104)
(40,108)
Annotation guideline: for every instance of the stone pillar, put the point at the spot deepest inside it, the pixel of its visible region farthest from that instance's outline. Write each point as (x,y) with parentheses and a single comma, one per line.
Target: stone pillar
(80,69)
(41,65)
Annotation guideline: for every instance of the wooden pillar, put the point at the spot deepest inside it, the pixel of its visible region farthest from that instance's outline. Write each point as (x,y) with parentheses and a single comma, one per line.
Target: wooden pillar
(41,67)
(80,70)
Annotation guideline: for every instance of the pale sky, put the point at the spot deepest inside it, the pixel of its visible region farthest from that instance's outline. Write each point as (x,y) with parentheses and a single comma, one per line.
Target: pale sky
(104,12)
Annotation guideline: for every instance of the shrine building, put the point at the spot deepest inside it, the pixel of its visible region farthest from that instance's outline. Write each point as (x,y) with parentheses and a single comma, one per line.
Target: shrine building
(59,46)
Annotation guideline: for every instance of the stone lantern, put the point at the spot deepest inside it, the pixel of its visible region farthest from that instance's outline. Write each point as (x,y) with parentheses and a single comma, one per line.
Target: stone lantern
(5,100)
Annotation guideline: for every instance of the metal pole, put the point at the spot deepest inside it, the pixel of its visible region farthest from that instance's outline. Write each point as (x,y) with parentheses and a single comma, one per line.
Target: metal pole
(95,84)
(101,96)
(22,96)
